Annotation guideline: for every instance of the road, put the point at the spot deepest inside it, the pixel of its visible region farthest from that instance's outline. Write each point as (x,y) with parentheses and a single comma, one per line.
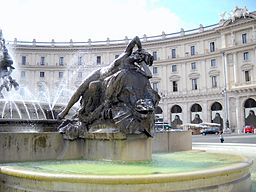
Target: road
(229,138)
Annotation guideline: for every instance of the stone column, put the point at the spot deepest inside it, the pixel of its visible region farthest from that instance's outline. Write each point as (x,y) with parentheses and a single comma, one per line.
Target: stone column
(225,91)
(186,113)
(235,67)
(225,66)
(239,116)
(166,113)
(253,34)
(223,41)
(205,111)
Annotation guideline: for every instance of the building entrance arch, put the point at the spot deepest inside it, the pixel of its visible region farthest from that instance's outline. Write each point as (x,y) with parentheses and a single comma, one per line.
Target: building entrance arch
(217,114)
(249,112)
(159,114)
(196,113)
(176,116)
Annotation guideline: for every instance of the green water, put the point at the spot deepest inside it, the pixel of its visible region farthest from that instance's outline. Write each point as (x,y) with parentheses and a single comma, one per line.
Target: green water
(161,163)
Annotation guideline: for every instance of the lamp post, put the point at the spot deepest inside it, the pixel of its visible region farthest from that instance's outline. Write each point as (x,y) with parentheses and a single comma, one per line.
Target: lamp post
(226,121)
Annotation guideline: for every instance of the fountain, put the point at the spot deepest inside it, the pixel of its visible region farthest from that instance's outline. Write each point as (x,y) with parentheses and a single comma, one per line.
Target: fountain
(107,144)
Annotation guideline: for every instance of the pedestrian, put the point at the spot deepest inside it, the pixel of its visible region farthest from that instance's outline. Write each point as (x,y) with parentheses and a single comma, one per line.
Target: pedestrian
(221,137)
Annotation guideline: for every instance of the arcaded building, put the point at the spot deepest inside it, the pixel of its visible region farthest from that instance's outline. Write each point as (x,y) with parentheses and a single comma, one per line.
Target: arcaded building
(203,75)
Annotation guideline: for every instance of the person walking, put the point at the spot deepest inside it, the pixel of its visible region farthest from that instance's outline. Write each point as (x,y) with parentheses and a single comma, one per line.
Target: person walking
(221,137)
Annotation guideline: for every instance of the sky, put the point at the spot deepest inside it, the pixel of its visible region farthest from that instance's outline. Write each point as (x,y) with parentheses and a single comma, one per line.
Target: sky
(98,20)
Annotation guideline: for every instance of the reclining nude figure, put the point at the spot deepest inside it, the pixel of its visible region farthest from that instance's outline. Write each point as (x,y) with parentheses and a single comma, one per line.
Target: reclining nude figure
(93,82)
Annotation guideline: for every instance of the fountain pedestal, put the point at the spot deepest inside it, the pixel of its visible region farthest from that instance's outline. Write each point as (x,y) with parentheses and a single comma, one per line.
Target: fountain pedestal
(117,146)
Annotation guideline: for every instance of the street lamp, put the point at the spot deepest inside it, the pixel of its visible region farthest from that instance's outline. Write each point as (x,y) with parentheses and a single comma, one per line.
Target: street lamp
(224,92)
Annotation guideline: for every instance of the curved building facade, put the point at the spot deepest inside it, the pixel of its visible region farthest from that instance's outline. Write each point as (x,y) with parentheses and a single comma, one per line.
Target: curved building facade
(203,75)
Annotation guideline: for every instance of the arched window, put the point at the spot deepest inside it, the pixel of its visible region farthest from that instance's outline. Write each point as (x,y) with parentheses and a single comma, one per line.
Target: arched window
(176,116)
(196,113)
(176,109)
(216,106)
(158,110)
(250,103)
(196,108)
(216,114)
(249,112)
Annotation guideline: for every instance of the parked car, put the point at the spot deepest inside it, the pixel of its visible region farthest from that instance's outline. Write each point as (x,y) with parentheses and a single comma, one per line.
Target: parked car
(210,130)
(248,129)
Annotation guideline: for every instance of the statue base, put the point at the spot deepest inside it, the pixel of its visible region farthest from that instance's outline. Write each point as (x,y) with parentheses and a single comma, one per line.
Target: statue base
(109,145)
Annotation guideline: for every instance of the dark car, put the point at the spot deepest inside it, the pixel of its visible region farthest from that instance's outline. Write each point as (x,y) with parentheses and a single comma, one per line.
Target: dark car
(211,130)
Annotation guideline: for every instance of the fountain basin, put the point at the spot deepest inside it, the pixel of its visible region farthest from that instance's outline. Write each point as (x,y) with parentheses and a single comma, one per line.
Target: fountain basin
(32,140)
(28,126)
(181,171)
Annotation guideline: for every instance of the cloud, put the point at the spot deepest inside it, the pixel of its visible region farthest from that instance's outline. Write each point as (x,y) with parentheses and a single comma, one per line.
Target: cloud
(80,20)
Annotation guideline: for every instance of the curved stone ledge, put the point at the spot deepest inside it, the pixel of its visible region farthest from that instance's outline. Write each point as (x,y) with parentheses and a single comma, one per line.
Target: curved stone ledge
(232,178)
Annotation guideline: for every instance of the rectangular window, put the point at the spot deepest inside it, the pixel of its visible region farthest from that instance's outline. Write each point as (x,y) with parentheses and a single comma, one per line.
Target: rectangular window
(42,61)
(246,56)
(155,70)
(212,47)
(192,50)
(61,61)
(174,86)
(155,55)
(98,60)
(174,68)
(23,60)
(60,74)
(80,60)
(193,66)
(244,38)
(155,86)
(173,53)
(42,74)
(22,74)
(214,81)
(213,62)
(247,76)
(194,84)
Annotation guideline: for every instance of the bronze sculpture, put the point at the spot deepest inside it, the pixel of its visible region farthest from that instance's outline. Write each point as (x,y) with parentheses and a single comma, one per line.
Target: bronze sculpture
(6,68)
(118,96)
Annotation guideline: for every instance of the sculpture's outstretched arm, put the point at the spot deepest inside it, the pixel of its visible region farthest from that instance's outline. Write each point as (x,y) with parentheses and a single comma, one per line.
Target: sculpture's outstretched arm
(127,52)
(131,45)
(115,65)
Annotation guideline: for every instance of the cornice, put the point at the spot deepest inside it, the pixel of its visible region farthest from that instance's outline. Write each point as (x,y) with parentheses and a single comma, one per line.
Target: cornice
(66,48)
(187,59)
(45,67)
(239,22)
(214,72)
(194,75)
(153,41)
(194,96)
(175,40)
(174,78)
(119,45)
(246,67)
(244,89)
(166,41)
(155,79)
(237,48)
